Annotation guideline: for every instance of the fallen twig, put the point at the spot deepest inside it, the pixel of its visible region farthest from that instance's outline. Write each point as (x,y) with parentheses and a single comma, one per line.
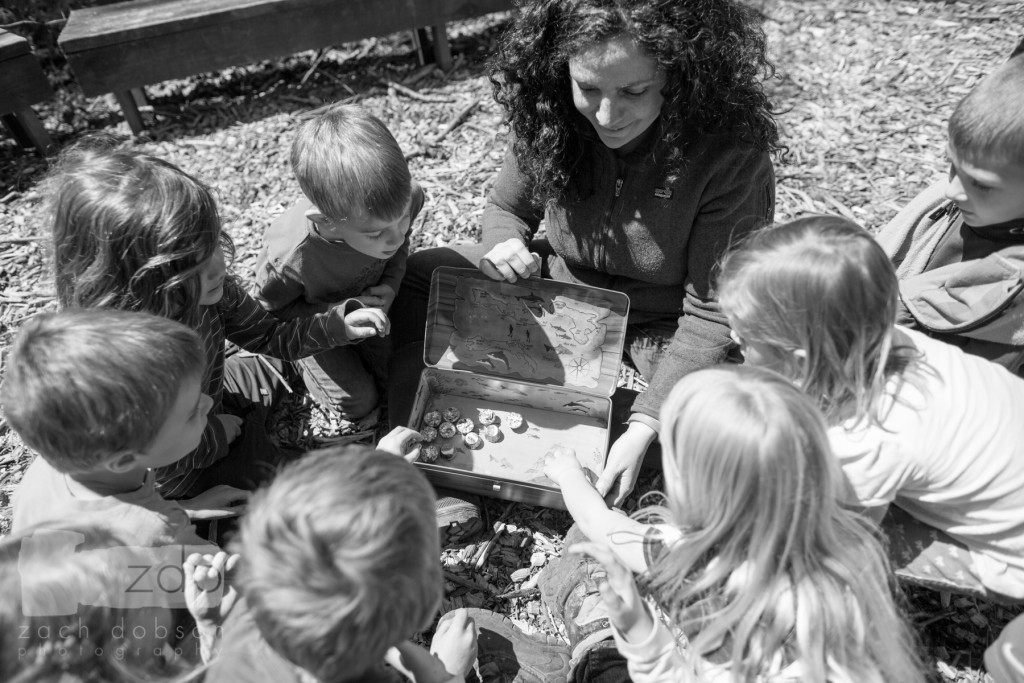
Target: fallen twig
(409,92)
(459,118)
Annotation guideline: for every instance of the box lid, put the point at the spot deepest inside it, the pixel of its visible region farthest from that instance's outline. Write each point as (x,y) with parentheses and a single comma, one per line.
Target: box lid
(536,330)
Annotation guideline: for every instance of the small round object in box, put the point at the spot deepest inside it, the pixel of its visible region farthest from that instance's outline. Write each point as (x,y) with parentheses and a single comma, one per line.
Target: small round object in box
(432,418)
(446,430)
(465,425)
(451,414)
(429,453)
(428,434)
(492,433)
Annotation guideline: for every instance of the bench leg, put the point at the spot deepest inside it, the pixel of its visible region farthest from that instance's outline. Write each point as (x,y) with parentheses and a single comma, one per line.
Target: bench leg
(442,50)
(436,41)
(130,109)
(28,130)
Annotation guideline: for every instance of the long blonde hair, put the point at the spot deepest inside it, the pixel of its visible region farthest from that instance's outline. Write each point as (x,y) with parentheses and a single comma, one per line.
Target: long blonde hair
(769,563)
(823,286)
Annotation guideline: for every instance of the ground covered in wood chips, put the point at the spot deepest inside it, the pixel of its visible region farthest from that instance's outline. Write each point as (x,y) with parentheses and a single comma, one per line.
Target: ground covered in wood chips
(864,86)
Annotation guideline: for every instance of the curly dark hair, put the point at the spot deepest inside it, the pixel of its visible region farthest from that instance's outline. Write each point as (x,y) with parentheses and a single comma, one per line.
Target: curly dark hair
(713,53)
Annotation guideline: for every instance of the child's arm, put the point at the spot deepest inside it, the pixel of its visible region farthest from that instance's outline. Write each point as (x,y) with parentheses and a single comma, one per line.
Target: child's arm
(219,502)
(254,329)
(598,522)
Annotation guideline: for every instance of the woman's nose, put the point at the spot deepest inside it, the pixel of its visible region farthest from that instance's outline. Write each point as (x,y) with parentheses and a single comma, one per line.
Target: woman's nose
(607,112)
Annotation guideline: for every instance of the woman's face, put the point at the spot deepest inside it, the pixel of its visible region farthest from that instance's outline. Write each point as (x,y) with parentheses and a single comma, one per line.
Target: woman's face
(617,87)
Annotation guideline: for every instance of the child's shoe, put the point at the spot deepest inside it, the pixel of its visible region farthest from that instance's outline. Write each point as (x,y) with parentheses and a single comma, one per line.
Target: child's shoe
(458,520)
(505,654)
(569,588)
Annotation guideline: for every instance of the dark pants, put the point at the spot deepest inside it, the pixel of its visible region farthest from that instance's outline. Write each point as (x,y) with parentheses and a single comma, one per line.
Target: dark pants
(253,386)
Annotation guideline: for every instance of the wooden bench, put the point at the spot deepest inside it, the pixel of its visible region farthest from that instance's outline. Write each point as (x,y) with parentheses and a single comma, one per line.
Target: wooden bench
(22,84)
(121,47)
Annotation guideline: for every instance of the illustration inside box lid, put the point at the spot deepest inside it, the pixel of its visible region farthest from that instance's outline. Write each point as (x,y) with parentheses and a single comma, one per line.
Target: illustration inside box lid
(538,330)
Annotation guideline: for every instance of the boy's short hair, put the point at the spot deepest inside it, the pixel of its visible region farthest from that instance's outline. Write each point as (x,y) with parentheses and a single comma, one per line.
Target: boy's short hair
(84,384)
(342,559)
(347,161)
(987,123)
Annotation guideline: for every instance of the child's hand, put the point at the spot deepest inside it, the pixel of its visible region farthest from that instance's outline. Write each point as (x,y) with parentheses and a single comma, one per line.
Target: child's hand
(625,606)
(381,296)
(232,425)
(403,442)
(367,322)
(560,462)
(217,503)
(454,642)
(209,594)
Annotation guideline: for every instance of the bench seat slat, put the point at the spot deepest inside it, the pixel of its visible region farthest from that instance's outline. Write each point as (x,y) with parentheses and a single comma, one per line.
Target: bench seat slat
(125,22)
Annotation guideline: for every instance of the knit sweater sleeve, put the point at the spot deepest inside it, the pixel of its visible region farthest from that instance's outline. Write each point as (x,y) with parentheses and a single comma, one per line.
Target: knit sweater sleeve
(740,197)
(510,212)
(254,329)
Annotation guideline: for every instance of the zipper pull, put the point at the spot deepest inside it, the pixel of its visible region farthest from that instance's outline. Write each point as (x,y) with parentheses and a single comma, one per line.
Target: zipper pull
(618,186)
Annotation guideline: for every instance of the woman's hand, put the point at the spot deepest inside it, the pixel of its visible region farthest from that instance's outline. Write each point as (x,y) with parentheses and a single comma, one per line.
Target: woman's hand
(623,465)
(510,261)
(626,608)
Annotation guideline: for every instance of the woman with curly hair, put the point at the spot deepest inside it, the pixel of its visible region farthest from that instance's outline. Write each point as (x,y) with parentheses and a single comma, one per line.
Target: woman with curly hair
(641,136)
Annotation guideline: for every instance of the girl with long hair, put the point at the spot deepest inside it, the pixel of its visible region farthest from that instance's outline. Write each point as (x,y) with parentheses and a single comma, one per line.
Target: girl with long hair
(758,571)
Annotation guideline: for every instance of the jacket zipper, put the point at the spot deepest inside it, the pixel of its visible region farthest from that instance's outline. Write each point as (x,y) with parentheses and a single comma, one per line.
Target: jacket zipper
(618,186)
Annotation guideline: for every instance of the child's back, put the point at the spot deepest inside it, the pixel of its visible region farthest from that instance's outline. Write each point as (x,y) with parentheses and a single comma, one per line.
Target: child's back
(959,246)
(949,451)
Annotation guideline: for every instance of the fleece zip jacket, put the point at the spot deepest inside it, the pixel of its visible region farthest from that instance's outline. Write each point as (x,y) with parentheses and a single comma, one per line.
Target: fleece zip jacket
(628,226)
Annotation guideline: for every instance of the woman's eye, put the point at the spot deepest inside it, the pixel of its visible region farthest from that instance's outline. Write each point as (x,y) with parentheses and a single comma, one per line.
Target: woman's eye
(375,235)
(635,93)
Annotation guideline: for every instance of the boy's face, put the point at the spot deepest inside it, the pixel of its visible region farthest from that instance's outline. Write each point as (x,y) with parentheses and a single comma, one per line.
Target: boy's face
(183,428)
(367,235)
(985,193)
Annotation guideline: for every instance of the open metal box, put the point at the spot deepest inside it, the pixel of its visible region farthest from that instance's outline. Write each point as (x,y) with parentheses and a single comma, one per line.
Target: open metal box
(547,350)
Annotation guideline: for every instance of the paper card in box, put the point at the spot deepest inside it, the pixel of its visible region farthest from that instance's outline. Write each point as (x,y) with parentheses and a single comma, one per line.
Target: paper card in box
(546,350)
(534,330)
